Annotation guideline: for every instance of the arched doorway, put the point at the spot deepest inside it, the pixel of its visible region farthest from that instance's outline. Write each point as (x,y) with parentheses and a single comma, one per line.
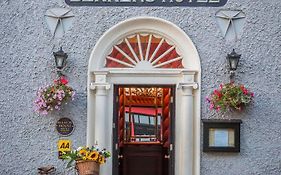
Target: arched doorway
(146,51)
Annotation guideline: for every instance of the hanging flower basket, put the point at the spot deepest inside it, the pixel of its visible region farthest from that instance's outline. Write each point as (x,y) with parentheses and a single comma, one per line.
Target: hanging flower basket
(52,97)
(230,96)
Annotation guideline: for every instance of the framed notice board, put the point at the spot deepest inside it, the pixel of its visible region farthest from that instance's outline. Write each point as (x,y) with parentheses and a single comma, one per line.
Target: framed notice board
(221,135)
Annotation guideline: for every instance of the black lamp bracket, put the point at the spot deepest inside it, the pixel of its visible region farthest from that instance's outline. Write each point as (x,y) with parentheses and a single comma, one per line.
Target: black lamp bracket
(232,75)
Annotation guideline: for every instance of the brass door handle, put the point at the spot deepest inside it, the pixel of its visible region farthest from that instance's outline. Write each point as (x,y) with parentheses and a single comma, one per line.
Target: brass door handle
(167,156)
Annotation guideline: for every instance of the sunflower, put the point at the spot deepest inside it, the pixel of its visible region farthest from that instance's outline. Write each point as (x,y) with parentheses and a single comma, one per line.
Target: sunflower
(83,153)
(101,160)
(93,155)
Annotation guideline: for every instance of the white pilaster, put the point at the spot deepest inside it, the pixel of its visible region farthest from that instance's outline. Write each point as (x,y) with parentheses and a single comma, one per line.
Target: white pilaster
(98,122)
(184,136)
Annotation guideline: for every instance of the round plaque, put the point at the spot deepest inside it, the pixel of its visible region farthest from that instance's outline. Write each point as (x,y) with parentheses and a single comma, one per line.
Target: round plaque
(65,126)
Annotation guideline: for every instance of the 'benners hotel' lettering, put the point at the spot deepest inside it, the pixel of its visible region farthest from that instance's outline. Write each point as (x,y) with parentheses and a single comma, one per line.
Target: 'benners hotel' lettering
(168,3)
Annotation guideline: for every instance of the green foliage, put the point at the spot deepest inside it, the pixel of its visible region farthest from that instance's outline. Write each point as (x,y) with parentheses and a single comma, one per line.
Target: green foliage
(70,156)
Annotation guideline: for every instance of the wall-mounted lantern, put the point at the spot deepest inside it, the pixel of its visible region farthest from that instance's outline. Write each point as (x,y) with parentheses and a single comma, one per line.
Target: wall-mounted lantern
(233,60)
(60,59)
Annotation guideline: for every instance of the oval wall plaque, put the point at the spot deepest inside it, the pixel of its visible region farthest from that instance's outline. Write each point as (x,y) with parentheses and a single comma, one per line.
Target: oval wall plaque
(65,126)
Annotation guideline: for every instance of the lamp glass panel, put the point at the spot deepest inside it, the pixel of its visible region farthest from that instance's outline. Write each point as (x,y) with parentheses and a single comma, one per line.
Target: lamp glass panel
(60,61)
(233,63)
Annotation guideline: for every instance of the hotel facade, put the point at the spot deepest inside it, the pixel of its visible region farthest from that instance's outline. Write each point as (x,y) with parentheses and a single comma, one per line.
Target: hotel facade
(141,72)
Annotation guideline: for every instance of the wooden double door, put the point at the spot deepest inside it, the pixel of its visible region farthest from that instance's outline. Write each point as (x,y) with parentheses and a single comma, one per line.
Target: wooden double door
(143,130)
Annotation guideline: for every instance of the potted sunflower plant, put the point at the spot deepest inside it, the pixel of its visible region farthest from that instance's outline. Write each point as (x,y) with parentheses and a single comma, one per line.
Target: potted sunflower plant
(230,97)
(87,160)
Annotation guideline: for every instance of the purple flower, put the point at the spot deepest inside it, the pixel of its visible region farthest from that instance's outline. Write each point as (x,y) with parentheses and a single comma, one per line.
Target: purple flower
(73,94)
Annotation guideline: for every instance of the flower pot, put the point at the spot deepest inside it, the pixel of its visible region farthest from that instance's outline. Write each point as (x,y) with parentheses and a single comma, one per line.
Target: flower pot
(87,167)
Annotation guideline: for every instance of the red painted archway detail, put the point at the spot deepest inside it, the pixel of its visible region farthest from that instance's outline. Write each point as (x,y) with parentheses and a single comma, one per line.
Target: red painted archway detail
(146,51)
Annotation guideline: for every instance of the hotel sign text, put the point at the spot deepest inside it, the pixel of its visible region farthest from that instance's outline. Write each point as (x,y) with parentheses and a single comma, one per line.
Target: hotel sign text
(166,3)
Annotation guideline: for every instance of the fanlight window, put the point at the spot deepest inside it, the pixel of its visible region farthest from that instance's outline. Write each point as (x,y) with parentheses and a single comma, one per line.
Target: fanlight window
(144,51)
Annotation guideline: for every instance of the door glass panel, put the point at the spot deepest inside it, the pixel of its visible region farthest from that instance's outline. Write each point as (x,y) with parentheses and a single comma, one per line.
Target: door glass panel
(144,119)
(143,114)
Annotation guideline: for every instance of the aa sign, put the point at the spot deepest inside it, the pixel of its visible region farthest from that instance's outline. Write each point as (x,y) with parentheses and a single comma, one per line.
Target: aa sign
(64,145)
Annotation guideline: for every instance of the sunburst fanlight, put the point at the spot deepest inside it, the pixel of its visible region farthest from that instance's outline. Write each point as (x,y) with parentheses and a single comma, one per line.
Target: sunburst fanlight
(144,51)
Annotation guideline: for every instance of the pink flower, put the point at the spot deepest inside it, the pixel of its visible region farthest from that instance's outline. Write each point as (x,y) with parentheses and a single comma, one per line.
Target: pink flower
(212,106)
(56,81)
(63,81)
(217,93)
(218,108)
(252,94)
